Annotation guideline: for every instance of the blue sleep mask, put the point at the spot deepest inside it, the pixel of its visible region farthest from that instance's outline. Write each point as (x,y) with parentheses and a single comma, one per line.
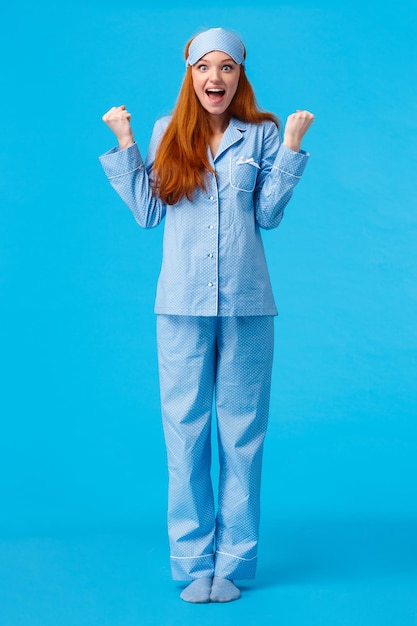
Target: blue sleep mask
(216,39)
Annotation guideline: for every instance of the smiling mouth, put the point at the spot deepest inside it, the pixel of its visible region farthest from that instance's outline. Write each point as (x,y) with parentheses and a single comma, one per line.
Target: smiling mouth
(215,95)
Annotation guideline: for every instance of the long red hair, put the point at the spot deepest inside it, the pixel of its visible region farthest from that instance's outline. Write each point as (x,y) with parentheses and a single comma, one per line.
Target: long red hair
(181,161)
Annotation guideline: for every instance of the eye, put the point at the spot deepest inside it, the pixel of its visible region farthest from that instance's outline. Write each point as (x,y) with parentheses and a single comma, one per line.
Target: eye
(202,67)
(227,68)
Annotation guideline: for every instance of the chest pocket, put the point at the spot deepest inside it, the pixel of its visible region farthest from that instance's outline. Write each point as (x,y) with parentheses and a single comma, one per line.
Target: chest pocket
(243,173)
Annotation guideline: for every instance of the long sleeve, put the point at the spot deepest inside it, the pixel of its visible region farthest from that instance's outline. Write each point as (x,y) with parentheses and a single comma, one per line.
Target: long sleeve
(281,171)
(130,178)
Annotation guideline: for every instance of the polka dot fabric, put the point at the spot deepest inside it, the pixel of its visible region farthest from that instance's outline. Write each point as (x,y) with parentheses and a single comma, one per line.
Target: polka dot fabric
(216,39)
(229,358)
(213,260)
(215,336)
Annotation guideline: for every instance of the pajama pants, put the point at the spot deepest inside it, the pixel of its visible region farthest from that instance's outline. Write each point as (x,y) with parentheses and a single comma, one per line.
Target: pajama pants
(229,359)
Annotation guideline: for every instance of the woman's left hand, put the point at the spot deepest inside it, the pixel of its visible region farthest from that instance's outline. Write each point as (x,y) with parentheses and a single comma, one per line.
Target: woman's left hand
(296,127)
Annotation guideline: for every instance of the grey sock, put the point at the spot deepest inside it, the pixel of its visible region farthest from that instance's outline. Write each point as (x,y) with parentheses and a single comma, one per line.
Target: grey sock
(223,590)
(198,591)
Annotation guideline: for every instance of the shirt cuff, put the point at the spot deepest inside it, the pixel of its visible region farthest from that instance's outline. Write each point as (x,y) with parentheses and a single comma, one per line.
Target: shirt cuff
(118,162)
(291,162)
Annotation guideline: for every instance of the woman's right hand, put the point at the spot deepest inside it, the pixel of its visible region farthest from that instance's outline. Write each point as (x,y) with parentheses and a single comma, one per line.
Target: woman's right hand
(118,120)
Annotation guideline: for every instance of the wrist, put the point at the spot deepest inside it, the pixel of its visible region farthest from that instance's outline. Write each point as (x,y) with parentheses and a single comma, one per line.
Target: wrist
(126,143)
(292,144)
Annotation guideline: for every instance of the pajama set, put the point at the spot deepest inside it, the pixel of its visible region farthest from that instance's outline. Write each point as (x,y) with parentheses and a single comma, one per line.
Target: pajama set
(215,328)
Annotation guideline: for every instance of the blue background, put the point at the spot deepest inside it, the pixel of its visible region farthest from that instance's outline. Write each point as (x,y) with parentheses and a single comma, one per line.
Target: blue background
(82,461)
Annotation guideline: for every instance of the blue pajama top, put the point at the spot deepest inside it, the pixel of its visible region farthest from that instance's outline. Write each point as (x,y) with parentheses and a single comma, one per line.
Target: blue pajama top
(213,257)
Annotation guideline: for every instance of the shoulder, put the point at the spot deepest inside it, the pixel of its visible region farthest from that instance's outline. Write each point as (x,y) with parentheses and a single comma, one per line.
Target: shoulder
(159,129)
(265,128)
(162,124)
(269,129)
(262,139)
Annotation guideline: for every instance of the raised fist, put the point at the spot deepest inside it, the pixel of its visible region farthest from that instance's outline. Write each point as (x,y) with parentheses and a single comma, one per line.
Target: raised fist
(118,120)
(296,127)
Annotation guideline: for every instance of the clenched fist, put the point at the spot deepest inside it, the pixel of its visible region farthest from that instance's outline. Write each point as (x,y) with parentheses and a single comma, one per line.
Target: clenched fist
(118,120)
(296,127)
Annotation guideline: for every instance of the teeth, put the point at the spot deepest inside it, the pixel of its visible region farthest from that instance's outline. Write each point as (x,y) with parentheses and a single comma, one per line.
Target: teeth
(215,90)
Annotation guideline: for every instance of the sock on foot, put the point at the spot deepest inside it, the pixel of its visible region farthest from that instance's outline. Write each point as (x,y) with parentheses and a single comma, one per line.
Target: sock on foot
(223,590)
(198,591)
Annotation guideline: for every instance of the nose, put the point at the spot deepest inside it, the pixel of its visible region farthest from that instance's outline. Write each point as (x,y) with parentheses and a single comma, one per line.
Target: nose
(215,76)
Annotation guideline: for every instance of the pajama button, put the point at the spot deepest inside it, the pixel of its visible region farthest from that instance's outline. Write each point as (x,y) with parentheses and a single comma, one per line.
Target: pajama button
(211,227)
(210,255)
(210,284)
(211,198)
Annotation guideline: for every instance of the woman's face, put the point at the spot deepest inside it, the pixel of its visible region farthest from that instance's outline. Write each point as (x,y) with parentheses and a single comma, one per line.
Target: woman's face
(215,79)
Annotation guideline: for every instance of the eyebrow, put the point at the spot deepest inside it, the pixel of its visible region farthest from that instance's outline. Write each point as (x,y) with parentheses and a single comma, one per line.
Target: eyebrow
(223,61)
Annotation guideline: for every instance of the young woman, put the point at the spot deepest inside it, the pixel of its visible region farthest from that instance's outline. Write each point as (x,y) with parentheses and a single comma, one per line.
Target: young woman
(217,172)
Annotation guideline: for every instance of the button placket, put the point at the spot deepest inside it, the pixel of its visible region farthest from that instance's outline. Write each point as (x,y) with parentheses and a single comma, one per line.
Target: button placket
(210,255)
(213,253)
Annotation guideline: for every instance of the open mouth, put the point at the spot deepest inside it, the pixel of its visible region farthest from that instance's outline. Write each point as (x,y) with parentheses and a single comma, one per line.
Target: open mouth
(215,95)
